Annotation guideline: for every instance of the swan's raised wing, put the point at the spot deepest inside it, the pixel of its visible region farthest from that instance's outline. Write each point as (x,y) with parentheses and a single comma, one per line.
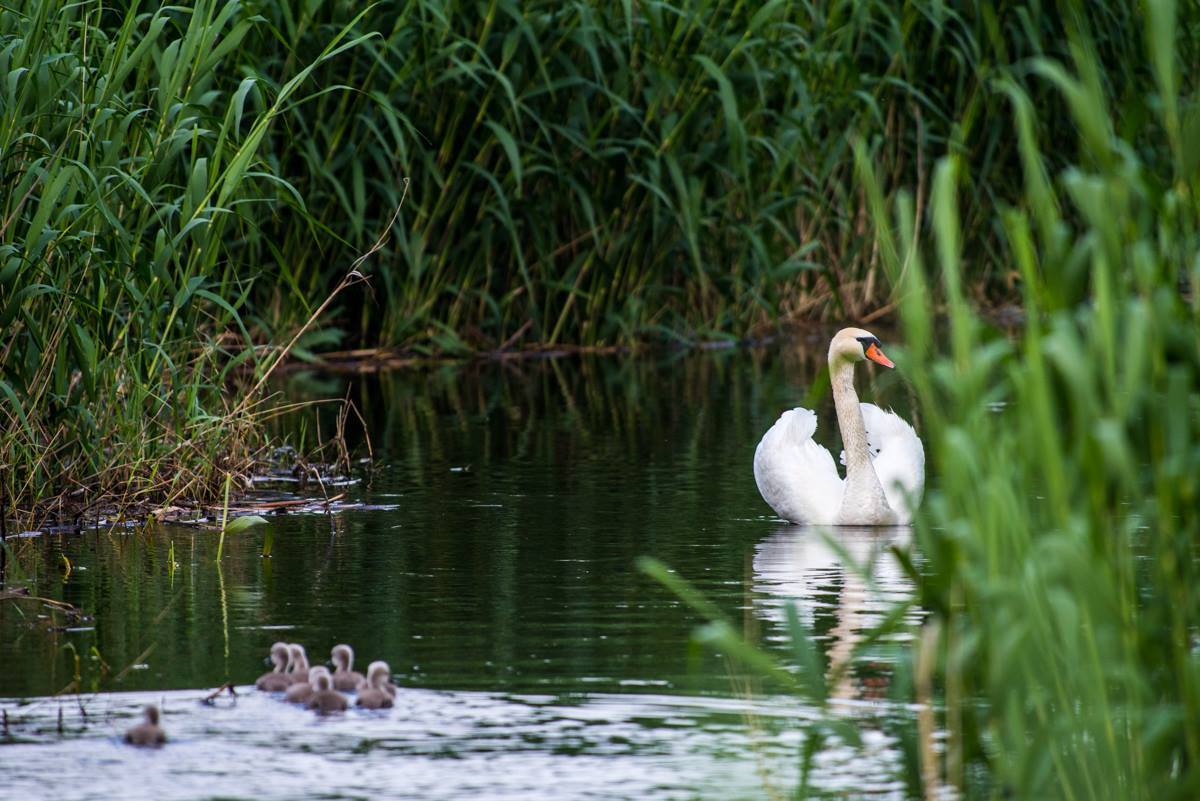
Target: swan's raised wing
(796,476)
(898,457)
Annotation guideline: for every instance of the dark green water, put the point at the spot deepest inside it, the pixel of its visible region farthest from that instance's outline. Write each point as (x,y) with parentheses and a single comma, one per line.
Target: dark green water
(490,549)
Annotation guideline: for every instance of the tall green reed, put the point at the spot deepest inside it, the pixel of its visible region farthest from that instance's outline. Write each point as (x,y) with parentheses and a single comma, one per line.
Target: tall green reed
(579,173)
(1061,537)
(132,175)
(612,173)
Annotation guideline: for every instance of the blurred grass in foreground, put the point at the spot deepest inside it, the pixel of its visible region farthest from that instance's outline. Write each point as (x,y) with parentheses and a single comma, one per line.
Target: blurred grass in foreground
(1059,537)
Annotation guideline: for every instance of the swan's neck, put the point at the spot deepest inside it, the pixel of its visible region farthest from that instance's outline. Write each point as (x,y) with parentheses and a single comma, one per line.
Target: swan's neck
(850,419)
(863,500)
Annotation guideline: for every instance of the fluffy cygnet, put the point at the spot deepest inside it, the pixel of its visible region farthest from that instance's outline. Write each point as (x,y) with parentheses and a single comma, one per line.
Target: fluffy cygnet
(387,687)
(344,676)
(303,692)
(297,662)
(147,733)
(375,694)
(325,699)
(277,680)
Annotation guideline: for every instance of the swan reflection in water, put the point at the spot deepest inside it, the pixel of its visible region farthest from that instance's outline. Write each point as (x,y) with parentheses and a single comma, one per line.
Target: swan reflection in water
(837,601)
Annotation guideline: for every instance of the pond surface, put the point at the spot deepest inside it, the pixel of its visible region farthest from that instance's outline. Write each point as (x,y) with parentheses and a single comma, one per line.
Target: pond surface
(489,556)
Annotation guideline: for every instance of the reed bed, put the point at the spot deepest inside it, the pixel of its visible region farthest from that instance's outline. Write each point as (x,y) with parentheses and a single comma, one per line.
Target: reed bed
(1061,541)
(185,185)
(132,177)
(611,174)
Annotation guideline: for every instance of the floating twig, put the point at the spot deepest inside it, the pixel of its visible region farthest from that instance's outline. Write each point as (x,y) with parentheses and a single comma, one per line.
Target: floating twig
(23,594)
(137,660)
(208,699)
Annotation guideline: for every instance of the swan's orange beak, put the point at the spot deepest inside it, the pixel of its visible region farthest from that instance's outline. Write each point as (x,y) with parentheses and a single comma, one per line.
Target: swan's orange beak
(876,355)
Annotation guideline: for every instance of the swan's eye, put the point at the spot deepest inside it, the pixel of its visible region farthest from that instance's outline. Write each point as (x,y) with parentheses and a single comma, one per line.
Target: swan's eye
(867,342)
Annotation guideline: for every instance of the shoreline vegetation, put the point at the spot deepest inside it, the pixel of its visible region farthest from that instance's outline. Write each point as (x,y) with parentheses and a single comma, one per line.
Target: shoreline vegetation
(184,185)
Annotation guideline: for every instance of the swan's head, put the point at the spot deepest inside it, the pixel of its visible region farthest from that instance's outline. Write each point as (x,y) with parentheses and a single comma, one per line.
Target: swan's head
(378,674)
(279,654)
(856,345)
(297,657)
(343,657)
(320,679)
(151,713)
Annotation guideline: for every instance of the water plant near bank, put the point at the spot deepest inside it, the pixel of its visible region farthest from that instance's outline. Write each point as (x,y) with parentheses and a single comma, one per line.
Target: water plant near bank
(1062,538)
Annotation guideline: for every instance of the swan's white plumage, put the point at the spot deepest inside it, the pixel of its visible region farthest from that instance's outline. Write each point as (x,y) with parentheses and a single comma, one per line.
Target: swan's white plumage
(885,462)
(899,459)
(798,478)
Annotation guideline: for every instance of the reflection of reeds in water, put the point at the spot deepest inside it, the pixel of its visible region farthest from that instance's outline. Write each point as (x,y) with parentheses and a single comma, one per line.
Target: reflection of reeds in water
(140,605)
(608,402)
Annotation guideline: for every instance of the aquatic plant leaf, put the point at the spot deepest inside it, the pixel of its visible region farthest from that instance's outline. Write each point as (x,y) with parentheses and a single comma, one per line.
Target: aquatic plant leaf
(239,524)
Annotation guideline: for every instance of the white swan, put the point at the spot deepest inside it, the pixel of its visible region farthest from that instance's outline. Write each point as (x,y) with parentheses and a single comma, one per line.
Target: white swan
(885,462)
